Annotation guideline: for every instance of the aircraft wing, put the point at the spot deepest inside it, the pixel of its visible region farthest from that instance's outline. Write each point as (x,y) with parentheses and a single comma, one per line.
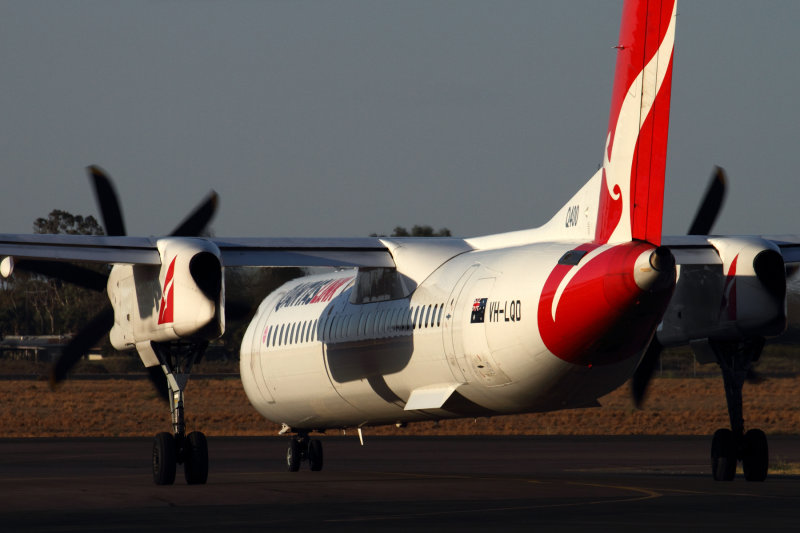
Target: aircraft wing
(341,252)
(698,250)
(259,251)
(333,252)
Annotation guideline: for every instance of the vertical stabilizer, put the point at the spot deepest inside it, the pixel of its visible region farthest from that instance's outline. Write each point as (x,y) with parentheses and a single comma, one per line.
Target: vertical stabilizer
(632,187)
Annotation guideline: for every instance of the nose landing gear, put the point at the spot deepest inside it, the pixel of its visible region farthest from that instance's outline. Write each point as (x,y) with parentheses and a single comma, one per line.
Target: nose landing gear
(302,448)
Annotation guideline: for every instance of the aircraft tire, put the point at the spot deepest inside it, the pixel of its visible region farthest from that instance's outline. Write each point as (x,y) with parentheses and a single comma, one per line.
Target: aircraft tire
(195,464)
(164,459)
(723,455)
(293,456)
(315,455)
(755,455)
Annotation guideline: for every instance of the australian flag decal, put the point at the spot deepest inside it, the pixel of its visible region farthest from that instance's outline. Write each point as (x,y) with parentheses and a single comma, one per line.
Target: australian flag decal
(478,310)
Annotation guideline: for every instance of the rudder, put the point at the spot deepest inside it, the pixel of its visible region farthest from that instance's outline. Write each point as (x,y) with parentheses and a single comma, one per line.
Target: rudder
(634,162)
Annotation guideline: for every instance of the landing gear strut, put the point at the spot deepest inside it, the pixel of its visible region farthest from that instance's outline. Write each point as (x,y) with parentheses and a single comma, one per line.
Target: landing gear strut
(302,448)
(735,359)
(171,449)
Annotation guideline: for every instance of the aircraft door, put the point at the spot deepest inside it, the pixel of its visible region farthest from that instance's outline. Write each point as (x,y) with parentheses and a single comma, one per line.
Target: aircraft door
(452,327)
(475,354)
(259,357)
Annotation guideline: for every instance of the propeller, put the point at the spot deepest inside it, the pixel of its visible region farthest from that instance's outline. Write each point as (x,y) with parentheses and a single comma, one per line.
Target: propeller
(711,205)
(704,220)
(74,274)
(108,202)
(644,372)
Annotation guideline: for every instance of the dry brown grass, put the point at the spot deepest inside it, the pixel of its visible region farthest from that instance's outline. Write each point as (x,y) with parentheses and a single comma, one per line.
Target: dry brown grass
(108,408)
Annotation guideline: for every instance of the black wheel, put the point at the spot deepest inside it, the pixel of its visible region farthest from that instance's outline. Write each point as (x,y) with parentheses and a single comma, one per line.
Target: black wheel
(293,456)
(195,464)
(723,455)
(164,459)
(755,455)
(315,455)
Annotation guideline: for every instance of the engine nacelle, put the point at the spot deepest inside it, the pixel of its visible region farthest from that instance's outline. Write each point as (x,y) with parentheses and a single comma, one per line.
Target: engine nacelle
(755,285)
(744,297)
(183,298)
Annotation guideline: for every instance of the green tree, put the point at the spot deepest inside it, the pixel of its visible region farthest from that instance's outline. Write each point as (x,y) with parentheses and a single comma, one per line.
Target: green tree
(34,305)
(63,222)
(417,231)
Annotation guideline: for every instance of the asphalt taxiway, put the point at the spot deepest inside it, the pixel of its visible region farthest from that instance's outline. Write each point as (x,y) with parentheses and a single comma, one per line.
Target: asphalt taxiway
(395,484)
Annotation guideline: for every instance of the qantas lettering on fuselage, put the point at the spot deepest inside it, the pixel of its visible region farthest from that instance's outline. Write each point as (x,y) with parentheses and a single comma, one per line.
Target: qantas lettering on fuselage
(312,292)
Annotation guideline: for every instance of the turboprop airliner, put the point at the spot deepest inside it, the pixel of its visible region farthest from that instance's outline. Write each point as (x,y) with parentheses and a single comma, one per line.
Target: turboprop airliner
(401,330)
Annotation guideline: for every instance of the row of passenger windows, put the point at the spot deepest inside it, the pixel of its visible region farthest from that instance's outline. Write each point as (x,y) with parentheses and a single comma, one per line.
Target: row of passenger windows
(372,324)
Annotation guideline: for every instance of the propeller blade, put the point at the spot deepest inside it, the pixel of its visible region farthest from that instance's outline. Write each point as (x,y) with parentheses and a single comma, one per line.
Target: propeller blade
(81,343)
(77,275)
(194,224)
(711,204)
(156,376)
(644,372)
(108,202)
(754,378)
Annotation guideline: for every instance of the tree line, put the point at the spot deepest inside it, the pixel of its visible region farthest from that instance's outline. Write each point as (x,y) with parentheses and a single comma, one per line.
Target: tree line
(34,305)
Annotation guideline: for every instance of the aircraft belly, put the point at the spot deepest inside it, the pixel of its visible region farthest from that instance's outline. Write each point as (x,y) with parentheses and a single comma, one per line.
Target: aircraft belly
(378,375)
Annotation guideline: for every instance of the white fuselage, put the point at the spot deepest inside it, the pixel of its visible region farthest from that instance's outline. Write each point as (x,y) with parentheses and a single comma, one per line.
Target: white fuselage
(313,359)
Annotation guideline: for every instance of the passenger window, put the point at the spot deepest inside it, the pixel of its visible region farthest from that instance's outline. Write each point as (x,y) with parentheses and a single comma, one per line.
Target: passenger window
(352,327)
(314,330)
(439,318)
(433,316)
(362,324)
(341,322)
(326,329)
(382,324)
(427,315)
(331,336)
(290,336)
(280,336)
(303,331)
(414,322)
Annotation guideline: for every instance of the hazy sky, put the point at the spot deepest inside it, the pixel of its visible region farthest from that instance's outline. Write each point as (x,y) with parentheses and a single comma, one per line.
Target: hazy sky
(318,118)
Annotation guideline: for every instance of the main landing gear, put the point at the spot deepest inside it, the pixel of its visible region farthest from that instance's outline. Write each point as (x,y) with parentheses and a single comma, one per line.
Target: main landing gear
(735,359)
(302,448)
(172,449)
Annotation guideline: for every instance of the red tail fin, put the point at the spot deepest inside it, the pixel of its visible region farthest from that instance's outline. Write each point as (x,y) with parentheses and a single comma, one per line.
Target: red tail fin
(632,189)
